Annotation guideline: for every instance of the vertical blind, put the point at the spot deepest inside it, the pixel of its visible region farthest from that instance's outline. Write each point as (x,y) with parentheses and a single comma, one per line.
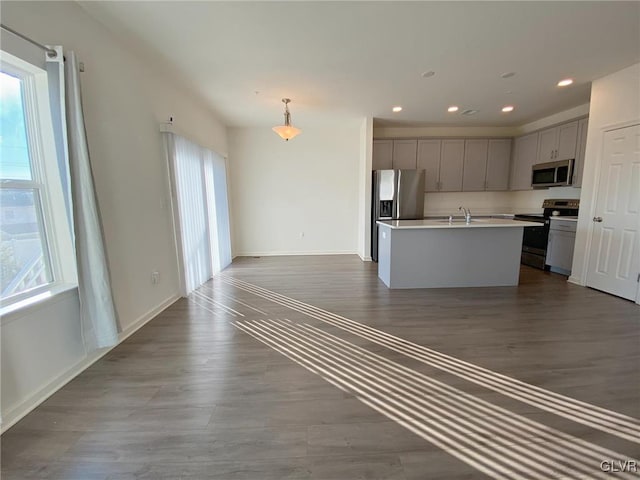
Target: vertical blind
(201,210)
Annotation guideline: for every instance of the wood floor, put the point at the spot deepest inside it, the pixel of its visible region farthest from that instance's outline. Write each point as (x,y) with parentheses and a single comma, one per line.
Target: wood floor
(310,368)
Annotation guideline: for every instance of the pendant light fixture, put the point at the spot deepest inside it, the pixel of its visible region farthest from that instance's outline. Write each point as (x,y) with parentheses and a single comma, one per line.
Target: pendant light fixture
(286,131)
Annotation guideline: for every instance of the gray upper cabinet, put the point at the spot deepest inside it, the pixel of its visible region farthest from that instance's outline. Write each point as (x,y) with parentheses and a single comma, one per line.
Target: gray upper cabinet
(525,151)
(475,165)
(429,161)
(498,163)
(382,154)
(580,152)
(567,141)
(451,165)
(405,153)
(547,144)
(558,143)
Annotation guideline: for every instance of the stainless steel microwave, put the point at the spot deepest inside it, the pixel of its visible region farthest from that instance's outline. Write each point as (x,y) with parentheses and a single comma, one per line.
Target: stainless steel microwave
(552,174)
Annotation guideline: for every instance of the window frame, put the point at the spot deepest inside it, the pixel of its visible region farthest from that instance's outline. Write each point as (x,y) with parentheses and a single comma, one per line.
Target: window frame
(53,221)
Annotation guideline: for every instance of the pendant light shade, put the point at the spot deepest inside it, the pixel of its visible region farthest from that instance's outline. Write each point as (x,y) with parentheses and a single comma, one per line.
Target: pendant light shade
(286,131)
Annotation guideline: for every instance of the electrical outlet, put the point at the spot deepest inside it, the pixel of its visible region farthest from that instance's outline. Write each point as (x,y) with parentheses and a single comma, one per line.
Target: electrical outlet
(155,277)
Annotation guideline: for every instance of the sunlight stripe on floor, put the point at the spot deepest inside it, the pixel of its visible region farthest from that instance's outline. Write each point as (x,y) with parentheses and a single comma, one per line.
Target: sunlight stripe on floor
(494,444)
(614,423)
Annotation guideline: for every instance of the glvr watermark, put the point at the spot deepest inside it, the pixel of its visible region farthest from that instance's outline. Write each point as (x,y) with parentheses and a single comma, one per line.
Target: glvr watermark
(615,466)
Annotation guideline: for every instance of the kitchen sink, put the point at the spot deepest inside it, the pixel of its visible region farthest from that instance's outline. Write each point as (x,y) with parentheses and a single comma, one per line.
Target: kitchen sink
(462,220)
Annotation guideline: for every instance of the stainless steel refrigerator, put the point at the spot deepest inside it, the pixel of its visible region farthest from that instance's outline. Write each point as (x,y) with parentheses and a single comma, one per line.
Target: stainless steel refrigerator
(397,195)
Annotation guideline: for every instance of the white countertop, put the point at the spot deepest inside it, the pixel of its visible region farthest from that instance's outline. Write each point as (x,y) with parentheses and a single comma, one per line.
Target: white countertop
(457,223)
(569,219)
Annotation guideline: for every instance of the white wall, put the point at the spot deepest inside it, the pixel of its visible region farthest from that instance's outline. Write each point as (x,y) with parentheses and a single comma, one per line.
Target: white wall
(307,186)
(560,117)
(615,101)
(125,98)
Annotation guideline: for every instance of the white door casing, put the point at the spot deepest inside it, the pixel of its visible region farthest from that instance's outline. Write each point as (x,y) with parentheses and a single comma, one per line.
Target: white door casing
(614,260)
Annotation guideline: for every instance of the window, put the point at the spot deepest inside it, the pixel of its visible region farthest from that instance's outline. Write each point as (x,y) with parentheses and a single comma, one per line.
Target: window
(36,251)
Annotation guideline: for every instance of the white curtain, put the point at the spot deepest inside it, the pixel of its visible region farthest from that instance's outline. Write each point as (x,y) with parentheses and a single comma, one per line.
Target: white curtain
(217,199)
(201,210)
(98,316)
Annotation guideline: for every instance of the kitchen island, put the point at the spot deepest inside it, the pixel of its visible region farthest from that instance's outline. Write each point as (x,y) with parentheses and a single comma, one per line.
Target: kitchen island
(438,253)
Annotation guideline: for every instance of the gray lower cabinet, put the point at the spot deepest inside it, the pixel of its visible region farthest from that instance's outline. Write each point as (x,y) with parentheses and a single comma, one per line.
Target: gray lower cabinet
(562,238)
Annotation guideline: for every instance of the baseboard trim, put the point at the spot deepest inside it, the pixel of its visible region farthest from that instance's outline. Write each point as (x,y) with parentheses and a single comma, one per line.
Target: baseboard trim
(365,259)
(283,254)
(576,281)
(19,411)
(146,317)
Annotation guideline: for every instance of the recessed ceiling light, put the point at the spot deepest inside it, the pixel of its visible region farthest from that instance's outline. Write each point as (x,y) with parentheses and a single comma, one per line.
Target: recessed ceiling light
(507,108)
(508,74)
(428,74)
(397,109)
(565,82)
(452,108)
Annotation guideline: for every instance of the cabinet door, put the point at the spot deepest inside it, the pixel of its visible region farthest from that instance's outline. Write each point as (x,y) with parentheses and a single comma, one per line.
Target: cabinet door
(429,161)
(475,165)
(547,144)
(581,150)
(404,154)
(525,155)
(382,154)
(451,165)
(560,249)
(567,141)
(498,163)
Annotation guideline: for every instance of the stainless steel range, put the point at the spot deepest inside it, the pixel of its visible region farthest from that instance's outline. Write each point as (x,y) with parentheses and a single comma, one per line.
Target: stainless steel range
(536,239)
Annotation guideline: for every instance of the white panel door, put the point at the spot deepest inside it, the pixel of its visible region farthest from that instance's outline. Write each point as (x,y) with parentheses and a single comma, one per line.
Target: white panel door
(382,154)
(498,162)
(405,153)
(614,260)
(475,165)
(429,161)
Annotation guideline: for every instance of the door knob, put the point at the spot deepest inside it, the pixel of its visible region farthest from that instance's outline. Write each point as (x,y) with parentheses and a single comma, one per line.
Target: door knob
(597,219)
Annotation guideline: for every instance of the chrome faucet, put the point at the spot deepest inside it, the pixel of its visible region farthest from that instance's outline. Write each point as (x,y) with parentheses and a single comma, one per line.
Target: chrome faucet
(467,214)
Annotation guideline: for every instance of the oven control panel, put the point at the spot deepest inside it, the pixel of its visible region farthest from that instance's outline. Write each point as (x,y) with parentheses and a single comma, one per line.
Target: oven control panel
(561,203)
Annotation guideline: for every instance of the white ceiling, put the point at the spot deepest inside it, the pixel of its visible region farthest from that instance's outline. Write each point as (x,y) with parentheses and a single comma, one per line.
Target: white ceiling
(354,59)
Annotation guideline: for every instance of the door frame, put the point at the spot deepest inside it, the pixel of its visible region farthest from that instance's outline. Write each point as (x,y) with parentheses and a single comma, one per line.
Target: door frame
(594,200)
